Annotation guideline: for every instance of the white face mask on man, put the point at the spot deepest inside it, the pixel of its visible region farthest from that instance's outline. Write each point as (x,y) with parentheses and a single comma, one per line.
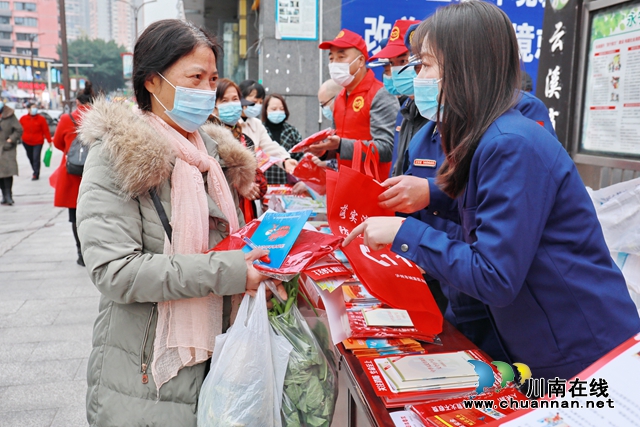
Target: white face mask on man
(339,72)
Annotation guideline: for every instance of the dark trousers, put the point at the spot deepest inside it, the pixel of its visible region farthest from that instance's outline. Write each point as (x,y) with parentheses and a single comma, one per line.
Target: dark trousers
(34,154)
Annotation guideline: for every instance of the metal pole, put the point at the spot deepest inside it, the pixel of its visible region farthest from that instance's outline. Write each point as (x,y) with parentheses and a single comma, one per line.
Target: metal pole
(65,56)
(49,83)
(33,89)
(135,18)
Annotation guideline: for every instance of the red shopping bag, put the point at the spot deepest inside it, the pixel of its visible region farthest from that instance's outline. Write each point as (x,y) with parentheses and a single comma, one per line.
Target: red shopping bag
(311,174)
(389,277)
(382,168)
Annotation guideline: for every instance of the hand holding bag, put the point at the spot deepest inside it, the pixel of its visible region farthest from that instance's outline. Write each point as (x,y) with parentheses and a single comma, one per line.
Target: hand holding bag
(352,197)
(248,365)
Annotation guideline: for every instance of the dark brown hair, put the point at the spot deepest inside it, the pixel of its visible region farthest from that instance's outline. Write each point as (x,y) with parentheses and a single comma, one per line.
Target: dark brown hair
(223,86)
(249,86)
(86,96)
(475,46)
(266,104)
(160,46)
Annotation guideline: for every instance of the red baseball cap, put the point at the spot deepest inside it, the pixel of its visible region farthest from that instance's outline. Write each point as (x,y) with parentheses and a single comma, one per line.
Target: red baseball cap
(345,39)
(395,46)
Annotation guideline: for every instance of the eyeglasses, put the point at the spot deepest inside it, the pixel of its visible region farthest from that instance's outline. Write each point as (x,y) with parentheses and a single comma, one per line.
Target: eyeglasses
(322,105)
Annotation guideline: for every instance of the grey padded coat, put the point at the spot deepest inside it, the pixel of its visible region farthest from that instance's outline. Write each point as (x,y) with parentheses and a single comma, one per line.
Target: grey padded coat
(10,128)
(122,243)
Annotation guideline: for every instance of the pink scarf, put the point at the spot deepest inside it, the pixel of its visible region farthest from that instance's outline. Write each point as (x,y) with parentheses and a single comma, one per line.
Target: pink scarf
(187,328)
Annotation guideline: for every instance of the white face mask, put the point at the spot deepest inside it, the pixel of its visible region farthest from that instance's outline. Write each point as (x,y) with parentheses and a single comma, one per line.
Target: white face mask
(340,74)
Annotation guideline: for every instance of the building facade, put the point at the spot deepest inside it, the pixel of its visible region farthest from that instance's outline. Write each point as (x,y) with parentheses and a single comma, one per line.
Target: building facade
(29,27)
(113,20)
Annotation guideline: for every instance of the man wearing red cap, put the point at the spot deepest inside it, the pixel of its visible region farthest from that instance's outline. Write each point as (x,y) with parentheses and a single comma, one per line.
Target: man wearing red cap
(409,121)
(363,110)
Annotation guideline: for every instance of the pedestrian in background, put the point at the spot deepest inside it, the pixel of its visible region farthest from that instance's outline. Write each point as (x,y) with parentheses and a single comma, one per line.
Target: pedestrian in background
(326,96)
(36,131)
(252,91)
(10,132)
(228,113)
(274,117)
(67,185)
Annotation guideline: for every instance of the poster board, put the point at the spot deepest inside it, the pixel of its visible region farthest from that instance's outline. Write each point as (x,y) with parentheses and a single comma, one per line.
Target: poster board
(297,19)
(610,125)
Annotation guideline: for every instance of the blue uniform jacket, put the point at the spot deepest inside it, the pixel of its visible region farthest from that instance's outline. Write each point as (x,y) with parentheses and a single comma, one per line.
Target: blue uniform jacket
(396,136)
(423,159)
(532,250)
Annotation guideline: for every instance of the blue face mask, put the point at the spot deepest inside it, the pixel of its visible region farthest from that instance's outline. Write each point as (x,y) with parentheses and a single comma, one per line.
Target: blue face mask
(253,110)
(276,116)
(403,82)
(327,113)
(230,112)
(388,85)
(426,97)
(1,105)
(191,107)
(33,111)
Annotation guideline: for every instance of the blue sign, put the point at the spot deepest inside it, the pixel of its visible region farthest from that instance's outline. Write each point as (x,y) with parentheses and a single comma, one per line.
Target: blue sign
(373,20)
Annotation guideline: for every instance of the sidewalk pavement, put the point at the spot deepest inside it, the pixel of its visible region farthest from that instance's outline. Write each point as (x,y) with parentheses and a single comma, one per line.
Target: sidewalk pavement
(47,309)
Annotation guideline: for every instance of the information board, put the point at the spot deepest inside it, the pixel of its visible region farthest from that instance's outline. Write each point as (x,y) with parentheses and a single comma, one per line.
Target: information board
(611,110)
(297,19)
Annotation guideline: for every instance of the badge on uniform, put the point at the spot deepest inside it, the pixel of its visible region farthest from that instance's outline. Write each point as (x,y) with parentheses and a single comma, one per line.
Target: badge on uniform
(424,163)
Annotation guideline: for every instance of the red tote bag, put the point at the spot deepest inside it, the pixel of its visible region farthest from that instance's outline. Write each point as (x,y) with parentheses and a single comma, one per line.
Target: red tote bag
(311,174)
(394,280)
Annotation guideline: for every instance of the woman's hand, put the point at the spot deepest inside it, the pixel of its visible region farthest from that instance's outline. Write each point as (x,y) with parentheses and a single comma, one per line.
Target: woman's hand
(290,165)
(300,188)
(253,193)
(406,193)
(254,277)
(318,162)
(378,231)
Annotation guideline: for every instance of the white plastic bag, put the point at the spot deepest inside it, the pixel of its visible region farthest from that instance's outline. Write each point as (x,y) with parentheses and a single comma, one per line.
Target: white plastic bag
(244,386)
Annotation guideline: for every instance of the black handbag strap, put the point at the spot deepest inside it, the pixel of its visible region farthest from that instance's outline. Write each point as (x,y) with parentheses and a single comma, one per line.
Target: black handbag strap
(73,120)
(161,212)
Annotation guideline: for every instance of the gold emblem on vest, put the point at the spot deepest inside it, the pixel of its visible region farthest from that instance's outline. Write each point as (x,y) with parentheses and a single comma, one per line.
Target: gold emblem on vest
(358,103)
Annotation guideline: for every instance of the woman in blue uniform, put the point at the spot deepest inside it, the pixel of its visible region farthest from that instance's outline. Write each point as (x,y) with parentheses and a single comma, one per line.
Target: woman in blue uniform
(531,247)
(420,165)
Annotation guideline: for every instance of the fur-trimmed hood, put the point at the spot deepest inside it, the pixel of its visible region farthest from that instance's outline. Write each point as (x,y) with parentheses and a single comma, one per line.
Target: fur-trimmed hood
(143,160)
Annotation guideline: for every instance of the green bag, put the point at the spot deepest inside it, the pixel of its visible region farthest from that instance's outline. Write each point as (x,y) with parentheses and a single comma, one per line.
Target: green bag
(47,156)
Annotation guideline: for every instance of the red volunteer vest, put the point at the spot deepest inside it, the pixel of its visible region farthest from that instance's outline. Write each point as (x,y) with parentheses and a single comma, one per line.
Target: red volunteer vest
(352,115)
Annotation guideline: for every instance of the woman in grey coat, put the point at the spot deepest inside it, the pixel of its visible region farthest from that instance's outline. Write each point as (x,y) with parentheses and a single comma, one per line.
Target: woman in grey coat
(10,133)
(146,367)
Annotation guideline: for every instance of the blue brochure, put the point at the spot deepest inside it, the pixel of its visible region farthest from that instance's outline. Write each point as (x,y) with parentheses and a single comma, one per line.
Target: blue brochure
(277,233)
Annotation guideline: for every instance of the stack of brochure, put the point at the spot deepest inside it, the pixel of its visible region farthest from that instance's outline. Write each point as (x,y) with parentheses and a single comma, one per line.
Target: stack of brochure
(376,347)
(403,379)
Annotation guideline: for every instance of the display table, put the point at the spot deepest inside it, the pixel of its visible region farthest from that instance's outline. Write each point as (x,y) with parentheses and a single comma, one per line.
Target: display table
(363,407)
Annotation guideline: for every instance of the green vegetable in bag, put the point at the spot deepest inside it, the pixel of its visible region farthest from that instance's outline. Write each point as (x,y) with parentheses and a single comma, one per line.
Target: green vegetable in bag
(310,384)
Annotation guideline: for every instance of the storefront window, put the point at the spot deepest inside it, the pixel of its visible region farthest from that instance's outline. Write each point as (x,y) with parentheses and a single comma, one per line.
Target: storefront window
(234,67)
